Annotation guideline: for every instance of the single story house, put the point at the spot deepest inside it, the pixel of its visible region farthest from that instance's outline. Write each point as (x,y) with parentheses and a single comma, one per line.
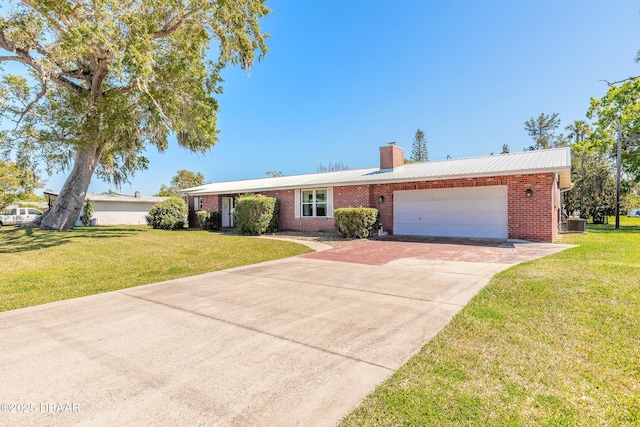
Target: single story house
(116,209)
(506,196)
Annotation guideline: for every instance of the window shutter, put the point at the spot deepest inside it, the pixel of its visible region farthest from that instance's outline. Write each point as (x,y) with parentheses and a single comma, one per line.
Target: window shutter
(196,204)
(329,202)
(296,203)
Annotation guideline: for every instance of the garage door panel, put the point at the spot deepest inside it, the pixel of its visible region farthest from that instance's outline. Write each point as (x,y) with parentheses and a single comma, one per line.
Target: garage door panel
(490,192)
(449,221)
(461,230)
(455,212)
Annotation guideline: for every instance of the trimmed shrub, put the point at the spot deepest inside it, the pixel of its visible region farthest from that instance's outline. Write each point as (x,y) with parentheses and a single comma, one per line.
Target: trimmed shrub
(169,214)
(257,214)
(203,217)
(355,222)
(274,225)
(209,220)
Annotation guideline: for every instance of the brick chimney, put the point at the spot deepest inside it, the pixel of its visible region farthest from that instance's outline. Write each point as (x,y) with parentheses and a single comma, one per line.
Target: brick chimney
(391,156)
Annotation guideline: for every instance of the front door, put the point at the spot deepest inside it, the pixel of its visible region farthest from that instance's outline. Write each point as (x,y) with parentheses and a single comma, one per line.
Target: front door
(227,211)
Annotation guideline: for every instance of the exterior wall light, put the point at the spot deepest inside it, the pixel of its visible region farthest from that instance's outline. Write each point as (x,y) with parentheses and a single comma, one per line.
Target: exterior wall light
(528,193)
(380,199)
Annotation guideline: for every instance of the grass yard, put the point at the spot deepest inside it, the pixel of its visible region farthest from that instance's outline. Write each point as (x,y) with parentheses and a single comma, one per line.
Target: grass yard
(40,266)
(552,342)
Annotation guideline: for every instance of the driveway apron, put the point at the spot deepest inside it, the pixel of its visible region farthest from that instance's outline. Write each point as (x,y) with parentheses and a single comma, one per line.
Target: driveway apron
(298,341)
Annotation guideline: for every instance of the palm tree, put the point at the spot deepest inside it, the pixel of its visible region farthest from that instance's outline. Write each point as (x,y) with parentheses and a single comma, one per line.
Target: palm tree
(578,130)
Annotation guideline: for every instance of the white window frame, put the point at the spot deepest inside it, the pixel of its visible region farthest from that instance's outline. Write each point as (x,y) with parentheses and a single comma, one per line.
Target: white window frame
(299,204)
(197,204)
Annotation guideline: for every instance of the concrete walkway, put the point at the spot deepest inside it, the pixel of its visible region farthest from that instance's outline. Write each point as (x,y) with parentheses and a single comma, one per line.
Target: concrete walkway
(298,341)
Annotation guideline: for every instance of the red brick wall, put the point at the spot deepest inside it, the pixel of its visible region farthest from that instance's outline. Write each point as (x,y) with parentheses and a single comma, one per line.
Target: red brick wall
(534,218)
(210,203)
(354,196)
(343,197)
(288,221)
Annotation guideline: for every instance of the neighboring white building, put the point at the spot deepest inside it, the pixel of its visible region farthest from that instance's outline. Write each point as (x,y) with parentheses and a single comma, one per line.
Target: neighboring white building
(116,209)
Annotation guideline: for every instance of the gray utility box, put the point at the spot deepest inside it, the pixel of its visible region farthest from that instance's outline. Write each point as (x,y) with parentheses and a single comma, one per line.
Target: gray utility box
(578,225)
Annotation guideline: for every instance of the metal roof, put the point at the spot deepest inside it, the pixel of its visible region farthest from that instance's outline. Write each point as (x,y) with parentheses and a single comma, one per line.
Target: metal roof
(123,198)
(116,198)
(526,162)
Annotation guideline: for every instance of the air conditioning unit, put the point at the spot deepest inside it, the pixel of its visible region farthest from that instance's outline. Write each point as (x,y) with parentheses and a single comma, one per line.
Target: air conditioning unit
(577,225)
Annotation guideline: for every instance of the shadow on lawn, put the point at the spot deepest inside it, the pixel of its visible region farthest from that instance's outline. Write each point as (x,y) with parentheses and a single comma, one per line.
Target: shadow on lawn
(23,239)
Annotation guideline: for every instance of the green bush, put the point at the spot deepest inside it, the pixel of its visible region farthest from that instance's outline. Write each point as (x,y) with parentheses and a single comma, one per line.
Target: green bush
(257,214)
(355,222)
(274,225)
(203,217)
(169,214)
(87,213)
(209,220)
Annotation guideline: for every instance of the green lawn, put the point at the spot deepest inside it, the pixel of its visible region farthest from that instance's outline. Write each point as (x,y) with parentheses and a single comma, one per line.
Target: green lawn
(40,266)
(553,342)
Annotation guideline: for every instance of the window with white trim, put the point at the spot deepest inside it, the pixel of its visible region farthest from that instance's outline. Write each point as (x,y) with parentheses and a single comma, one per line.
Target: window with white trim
(197,204)
(314,202)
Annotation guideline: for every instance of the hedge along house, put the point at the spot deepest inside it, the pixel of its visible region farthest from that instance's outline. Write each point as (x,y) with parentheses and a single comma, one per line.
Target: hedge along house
(515,196)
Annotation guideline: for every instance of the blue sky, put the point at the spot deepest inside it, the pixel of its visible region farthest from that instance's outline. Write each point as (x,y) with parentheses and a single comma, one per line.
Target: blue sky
(345,77)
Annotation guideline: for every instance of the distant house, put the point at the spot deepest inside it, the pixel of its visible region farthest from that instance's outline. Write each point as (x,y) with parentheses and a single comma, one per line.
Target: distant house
(514,195)
(115,209)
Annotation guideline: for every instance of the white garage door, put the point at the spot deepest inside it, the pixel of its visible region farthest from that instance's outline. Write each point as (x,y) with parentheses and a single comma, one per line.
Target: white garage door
(455,212)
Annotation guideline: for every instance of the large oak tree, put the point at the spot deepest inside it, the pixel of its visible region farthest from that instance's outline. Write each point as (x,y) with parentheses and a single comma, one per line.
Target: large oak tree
(102,80)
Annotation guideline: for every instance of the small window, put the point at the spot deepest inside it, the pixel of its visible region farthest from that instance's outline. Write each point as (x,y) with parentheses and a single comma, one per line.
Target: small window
(197,204)
(34,212)
(314,203)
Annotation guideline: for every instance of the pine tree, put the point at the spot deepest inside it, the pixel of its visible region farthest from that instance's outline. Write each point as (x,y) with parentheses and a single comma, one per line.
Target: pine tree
(419,152)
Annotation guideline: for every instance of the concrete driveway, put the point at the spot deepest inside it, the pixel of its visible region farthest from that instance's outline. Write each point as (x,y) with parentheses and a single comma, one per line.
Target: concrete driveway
(298,341)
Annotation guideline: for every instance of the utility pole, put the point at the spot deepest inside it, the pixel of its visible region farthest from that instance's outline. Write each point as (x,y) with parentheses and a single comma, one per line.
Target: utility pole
(619,161)
(582,186)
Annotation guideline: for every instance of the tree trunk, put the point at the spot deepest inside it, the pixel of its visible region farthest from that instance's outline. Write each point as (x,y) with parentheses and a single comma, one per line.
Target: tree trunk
(66,209)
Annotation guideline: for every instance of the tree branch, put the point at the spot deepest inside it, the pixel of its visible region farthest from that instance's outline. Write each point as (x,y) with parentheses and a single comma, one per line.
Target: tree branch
(24,57)
(54,23)
(121,89)
(34,101)
(100,70)
(174,25)
(619,81)
(9,58)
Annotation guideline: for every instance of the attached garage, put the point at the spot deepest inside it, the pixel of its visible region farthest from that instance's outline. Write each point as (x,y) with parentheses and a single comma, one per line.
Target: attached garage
(454,212)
